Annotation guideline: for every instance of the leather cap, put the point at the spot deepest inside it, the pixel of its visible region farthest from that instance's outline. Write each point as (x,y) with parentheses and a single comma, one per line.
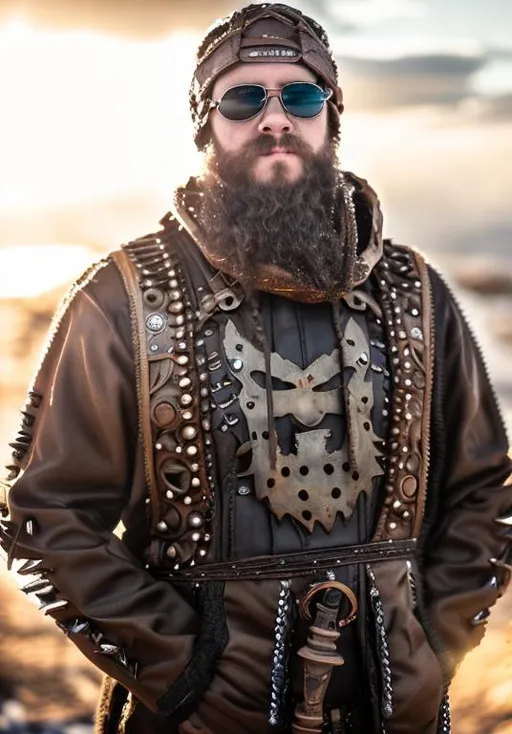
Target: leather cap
(261,34)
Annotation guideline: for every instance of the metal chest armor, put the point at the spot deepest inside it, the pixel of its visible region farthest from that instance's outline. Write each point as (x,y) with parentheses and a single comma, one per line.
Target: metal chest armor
(210,374)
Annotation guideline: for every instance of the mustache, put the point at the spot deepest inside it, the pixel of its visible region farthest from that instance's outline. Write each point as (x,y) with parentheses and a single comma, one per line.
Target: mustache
(264,144)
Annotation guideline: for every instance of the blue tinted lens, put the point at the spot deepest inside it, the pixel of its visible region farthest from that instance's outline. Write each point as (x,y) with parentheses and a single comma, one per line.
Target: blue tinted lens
(242,102)
(302,99)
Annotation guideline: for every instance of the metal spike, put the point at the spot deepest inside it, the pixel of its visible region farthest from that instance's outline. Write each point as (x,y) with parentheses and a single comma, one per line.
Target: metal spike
(28,419)
(45,591)
(106,648)
(53,606)
(5,527)
(122,659)
(18,445)
(507,521)
(34,586)
(78,626)
(30,566)
(501,564)
(480,618)
(493,582)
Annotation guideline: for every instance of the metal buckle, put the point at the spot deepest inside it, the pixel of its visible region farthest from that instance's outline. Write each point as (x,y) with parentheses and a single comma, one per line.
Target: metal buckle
(323,586)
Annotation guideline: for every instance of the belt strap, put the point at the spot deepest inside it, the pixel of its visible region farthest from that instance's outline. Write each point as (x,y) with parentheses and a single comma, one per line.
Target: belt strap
(292,565)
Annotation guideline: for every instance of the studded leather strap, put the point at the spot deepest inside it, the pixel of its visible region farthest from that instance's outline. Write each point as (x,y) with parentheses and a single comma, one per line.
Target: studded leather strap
(405,298)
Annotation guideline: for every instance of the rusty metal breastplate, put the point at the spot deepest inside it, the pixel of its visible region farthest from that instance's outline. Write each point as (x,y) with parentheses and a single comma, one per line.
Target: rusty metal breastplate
(208,411)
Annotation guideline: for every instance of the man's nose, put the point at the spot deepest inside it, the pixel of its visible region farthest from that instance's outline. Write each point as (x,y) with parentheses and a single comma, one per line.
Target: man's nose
(275,119)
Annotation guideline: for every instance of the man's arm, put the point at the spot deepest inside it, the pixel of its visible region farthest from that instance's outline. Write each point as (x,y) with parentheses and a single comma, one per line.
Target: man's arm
(472,496)
(82,470)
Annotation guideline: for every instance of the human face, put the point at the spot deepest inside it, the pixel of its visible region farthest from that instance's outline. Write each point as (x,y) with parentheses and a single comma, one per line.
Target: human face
(232,136)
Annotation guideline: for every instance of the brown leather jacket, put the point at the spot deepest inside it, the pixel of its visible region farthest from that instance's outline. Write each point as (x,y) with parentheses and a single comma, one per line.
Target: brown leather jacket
(83,463)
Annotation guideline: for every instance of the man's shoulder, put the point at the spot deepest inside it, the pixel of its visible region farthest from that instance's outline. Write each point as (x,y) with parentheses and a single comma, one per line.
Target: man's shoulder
(398,251)
(444,302)
(392,248)
(103,280)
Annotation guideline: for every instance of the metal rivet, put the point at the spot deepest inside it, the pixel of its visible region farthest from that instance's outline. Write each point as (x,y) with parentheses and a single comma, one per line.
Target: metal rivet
(176,307)
(243,490)
(155,322)
(182,359)
(236,365)
(154,347)
(186,399)
(171,552)
(191,450)
(195,537)
(187,500)
(185,382)
(162,526)
(189,432)
(195,520)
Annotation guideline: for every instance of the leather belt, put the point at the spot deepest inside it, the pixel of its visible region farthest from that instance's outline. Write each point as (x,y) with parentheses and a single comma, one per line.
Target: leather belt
(290,565)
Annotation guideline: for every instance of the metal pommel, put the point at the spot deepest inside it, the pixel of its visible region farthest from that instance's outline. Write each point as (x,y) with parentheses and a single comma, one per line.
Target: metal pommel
(320,654)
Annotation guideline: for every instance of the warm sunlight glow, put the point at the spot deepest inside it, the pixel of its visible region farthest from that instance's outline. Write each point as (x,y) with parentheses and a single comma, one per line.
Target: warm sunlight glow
(43,268)
(86,115)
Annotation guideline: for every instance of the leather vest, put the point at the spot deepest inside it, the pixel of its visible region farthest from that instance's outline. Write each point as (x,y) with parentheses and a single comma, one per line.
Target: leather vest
(345,388)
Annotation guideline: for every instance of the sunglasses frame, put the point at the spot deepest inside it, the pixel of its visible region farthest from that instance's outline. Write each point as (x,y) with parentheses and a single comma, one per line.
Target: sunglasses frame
(215,104)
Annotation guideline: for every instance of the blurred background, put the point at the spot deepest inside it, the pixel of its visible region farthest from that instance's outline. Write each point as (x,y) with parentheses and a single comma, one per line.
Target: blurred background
(94,136)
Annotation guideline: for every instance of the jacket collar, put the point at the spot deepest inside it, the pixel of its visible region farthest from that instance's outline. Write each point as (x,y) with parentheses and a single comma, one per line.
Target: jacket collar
(361,204)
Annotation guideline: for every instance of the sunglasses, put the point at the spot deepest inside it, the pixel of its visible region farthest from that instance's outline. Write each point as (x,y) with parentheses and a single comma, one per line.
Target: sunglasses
(299,99)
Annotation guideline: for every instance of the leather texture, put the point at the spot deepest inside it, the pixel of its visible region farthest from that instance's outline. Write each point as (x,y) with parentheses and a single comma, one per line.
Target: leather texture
(461,534)
(84,472)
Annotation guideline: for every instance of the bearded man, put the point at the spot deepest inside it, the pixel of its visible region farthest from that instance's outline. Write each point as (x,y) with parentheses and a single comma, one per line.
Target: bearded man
(291,419)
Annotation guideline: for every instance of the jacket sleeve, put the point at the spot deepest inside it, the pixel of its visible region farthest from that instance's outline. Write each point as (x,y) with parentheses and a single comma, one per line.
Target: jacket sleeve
(467,546)
(78,453)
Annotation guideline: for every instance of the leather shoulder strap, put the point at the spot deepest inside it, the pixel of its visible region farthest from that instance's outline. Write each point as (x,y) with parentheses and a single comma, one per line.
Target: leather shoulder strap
(404,294)
(131,279)
(172,375)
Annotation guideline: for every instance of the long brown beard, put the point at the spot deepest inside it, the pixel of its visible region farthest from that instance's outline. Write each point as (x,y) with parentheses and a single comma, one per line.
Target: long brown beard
(290,224)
